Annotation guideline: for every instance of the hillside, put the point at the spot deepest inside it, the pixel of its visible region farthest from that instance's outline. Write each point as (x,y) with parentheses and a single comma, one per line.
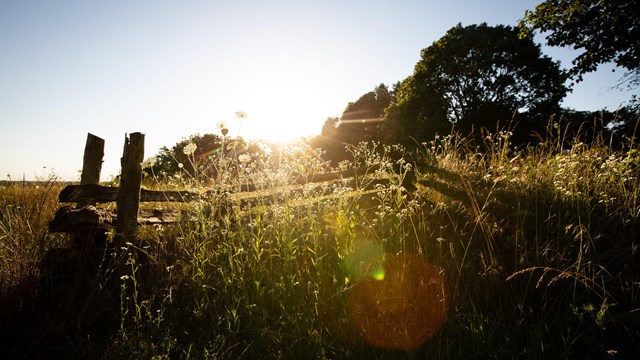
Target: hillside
(527,253)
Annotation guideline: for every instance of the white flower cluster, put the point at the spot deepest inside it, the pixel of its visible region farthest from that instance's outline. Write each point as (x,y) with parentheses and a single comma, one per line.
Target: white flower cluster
(149,162)
(189,149)
(244,158)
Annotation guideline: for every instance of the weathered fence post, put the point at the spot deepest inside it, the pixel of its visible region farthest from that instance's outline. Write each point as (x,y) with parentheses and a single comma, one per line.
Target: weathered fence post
(92,163)
(128,198)
(91,242)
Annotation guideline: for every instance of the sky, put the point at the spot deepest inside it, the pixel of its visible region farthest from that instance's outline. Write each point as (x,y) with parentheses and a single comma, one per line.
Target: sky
(171,69)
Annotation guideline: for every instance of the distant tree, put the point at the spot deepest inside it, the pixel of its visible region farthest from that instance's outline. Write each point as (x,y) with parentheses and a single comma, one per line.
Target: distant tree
(183,155)
(370,105)
(361,119)
(602,30)
(476,76)
(329,127)
(614,127)
(198,154)
(625,124)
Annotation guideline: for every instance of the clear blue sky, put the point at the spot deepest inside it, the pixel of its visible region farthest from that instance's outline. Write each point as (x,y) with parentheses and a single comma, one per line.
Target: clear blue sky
(170,69)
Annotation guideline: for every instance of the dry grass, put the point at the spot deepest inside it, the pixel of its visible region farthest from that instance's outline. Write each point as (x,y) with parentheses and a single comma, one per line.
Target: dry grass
(528,253)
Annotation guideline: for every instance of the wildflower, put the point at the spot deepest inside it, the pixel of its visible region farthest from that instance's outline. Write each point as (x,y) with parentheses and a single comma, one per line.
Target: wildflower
(189,149)
(180,165)
(244,158)
(149,162)
(343,165)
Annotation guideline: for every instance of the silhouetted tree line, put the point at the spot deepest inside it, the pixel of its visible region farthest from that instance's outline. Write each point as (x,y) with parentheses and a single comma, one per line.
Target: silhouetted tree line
(496,77)
(478,77)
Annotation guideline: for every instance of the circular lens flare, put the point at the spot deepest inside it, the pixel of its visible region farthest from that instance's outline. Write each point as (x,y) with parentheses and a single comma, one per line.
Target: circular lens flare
(401,306)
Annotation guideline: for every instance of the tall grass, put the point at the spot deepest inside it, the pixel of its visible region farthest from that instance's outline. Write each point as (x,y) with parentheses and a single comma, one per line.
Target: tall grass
(527,253)
(25,210)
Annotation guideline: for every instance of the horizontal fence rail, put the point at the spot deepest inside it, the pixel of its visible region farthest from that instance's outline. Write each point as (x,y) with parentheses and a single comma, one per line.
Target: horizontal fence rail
(86,215)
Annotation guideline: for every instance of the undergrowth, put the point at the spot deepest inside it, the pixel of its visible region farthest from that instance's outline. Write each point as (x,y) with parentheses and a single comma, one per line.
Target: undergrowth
(507,253)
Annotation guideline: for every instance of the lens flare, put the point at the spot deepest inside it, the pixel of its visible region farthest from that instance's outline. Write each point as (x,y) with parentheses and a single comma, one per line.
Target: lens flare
(378,274)
(401,306)
(366,261)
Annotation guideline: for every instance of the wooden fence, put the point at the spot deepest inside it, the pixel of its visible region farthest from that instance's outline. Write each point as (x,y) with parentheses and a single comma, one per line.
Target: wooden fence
(128,215)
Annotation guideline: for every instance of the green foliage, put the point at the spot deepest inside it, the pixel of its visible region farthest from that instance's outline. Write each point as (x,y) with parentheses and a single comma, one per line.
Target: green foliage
(200,157)
(182,157)
(360,122)
(527,253)
(602,31)
(476,76)
(614,127)
(369,106)
(25,210)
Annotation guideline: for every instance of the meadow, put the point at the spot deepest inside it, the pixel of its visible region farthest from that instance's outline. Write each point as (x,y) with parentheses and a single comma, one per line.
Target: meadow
(500,253)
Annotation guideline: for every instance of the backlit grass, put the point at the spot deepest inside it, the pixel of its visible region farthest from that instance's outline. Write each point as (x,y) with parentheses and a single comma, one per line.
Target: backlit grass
(528,253)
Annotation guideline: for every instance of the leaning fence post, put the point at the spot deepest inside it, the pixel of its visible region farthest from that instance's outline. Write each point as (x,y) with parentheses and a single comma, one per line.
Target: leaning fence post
(91,168)
(92,162)
(128,198)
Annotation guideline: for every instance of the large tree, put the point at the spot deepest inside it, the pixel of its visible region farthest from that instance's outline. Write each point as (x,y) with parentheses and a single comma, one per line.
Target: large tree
(601,30)
(476,76)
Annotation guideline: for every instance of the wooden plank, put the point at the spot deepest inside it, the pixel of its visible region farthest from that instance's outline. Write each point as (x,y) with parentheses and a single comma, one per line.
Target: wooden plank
(278,195)
(315,178)
(69,219)
(72,220)
(103,194)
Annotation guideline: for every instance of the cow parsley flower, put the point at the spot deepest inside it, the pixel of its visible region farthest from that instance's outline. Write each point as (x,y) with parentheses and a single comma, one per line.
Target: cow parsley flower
(189,149)
(244,158)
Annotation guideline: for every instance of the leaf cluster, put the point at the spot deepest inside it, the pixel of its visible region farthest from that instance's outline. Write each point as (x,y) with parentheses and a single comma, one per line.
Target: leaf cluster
(603,31)
(476,76)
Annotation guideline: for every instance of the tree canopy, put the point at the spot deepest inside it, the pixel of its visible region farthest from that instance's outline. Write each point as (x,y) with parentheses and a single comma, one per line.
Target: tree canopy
(361,119)
(360,122)
(370,105)
(200,155)
(476,76)
(183,155)
(603,31)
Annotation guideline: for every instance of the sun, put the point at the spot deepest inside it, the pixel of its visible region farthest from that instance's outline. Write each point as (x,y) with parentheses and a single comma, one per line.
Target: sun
(277,124)
(281,100)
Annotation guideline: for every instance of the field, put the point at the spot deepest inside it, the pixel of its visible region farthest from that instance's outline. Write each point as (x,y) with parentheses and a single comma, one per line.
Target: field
(528,253)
